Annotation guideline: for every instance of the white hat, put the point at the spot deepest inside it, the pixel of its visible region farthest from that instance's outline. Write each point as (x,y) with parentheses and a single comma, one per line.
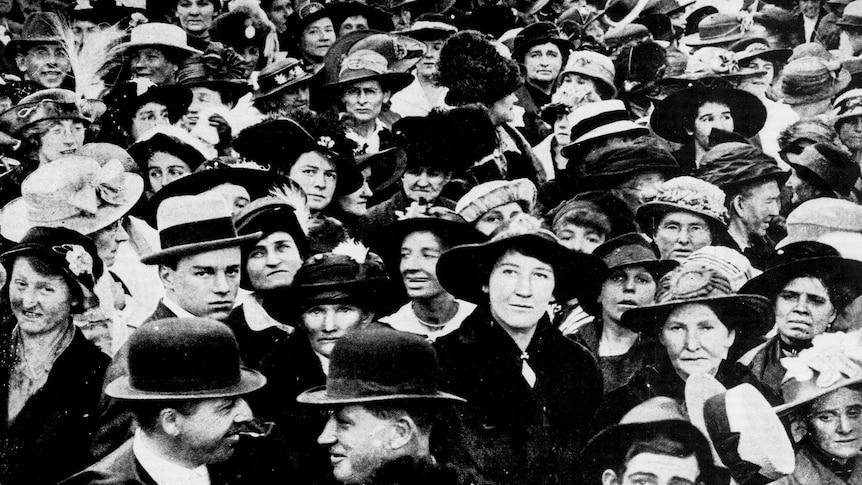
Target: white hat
(156,34)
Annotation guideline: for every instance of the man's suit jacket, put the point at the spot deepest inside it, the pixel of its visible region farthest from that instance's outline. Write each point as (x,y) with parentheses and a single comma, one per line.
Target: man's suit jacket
(120,467)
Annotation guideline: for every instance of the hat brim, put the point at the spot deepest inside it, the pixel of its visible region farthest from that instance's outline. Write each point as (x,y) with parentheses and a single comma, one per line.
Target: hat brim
(847,273)
(389,81)
(748,112)
(656,267)
(163,255)
(391,163)
(843,80)
(121,388)
(789,407)
(184,51)
(15,218)
(464,270)
(610,130)
(694,40)
(751,315)
(13,48)
(317,396)
(342,46)
(233,88)
(779,56)
(304,79)
(648,215)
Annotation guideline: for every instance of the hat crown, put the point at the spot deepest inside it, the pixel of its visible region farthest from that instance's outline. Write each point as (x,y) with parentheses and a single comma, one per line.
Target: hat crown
(193,219)
(809,75)
(157,33)
(730,165)
(41,26)
(46,104)
(694,195)
(362,63)
(486,196)
(853,13)
(349,262)
(625,249)
(692,282)
(800,251)
(718,26)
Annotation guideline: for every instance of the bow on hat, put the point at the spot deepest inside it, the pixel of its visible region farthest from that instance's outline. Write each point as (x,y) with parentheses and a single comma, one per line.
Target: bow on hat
(93,189)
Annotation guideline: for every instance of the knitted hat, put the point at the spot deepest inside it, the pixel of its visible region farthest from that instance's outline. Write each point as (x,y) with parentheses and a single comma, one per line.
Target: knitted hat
(811,79)
(475,71)
(595,66)
(829,165)
(484,197)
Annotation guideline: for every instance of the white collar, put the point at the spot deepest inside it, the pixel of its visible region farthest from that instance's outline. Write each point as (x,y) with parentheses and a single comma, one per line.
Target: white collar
(257,317)
(324,362)
(176,308)
(165,472)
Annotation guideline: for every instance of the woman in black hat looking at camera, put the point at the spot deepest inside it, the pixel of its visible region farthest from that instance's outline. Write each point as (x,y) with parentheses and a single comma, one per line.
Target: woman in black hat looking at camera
(312,34)
(531,392)
(52,374)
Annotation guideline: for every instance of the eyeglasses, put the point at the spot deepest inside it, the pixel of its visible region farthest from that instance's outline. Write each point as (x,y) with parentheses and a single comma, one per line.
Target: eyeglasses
(673,229)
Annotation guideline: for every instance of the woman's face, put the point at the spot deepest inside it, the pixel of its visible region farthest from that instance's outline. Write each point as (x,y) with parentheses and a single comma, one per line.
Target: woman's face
(357,202)
(420,252)
(40,303)
(624,289)
(580,84)
(581,239)
(520,288)
(296,97)
(760,84)
(152,63)
(317,38)
(803,309)
(681,233)
(149,116)
(195,16)
(63,138)
(317,177)
(273,262)
(496,217)
(327,323)
(163,168)
(835,423)
(543,63)
(427,67)
(503,110)
(695,339)
(850,133)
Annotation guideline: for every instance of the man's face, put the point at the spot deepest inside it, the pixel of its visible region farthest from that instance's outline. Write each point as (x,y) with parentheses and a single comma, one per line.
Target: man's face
(681,233)
(419,254)
(496,217)
(326,323)
(711,115)
(655,469)
(835,423)
(357,442)
(803,309)
(278,12)
(46,64)
(364,100)
(151,63)
(626,288)
(850,133)
(63,138)
(695,339)
(210,433)
(427,67)
(810,8)
(352,24)
(801,190)
(758,209)
(317,38)
(204,284)
(424,183)
(543,63)
(520,289)
(317,177)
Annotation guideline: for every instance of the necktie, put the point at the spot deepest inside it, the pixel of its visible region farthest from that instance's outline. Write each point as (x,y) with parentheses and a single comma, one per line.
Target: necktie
(527,371)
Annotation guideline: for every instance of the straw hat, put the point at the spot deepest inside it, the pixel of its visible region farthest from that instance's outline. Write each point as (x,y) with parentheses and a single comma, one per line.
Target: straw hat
(162,36)
(736,267)
(368,65)
(852,16)
(685,194)
(600,121)
(717,28)
(74,192)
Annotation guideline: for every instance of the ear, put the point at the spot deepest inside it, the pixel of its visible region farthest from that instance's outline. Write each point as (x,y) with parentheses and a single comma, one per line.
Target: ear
(367,317)
(404,430)
(387,95)
(736,204)
(21,62)
(485,289)
(609,477)
(170,421)
(166,274)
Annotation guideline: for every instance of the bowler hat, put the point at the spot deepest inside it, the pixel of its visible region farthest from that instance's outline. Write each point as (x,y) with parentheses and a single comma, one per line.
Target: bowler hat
(379,365)
(633,249)
(730,166)
(38,28)
(811,79)
(829,165)
(537,34)
(750,316)
(46,104)
(182,359)
(193,224)
(717,28)
(280,75)
(852,16)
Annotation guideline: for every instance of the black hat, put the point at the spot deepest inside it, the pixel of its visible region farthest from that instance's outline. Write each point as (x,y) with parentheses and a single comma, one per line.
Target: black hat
(99,11)
(758,48)
(304,16)
(124,99)
(172,140)
(241,27)
(539,33)
(379,365)
(672,113)
(181,359)
(387,166)
(38,28)
(633,249)
(378,19)
(731,165)
(493,20)
(441,141)
(475,71)
(280,75)
(221,71)
(610,166)
(829,166)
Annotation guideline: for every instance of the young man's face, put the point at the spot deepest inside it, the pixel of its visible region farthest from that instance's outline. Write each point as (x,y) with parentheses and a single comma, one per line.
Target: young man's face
(45,64)
(204,284)
(210,433)
(152,63)
(357,442)
(654,469)
(709,116)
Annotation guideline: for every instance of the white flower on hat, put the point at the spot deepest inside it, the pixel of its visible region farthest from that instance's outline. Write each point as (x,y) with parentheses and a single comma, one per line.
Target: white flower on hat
(352,249)
(326,142)
(833,356)
(79,260)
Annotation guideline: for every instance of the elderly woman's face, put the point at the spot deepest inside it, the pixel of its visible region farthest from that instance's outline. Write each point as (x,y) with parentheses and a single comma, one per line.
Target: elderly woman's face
(273,262)
(41,303)
(803,309)
(328,322)
(317,177)
(357,202)
(496,217)
(63,138)
(835,423)
(679,234)
(520,289)
(695,339)
(196,16)
(543,63)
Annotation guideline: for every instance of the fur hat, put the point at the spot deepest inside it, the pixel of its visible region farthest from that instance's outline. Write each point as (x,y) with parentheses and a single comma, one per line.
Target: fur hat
(475,71)
(244,26)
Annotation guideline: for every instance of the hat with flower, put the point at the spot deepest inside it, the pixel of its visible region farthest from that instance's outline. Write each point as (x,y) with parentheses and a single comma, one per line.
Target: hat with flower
(400,52)
(686,194)
(70,253)
(219,68)
(75,192)
(280,75)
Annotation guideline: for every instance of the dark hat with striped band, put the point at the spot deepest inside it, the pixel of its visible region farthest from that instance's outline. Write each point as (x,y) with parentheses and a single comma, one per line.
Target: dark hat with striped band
(601,120)
(193,224)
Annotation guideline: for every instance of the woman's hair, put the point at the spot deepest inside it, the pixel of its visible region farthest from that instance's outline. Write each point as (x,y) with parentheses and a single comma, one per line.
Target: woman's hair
(840,294)
(590,217)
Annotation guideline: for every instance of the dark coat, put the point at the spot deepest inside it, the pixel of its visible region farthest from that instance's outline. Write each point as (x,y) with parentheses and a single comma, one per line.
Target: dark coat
(254,346)
(764,361)
(508,432)
(531,99)
(799,27)
(811,471)
(50,437)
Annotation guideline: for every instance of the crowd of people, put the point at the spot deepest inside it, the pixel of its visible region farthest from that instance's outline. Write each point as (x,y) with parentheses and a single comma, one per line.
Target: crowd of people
(448,242)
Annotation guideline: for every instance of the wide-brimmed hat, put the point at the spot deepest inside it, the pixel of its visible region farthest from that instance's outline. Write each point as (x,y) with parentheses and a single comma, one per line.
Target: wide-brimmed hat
(387,167)
(173,140)
(70,253)
(484,197)
(617,163)
(598,121)
(758,48)
(400,51)
(168,37)
(378,365)
(736,267)
(717,28)
(539,33)
(832,362)
(816,217)
(593,65)
(655,418)
(368,65)
(464,270)
(739,422)
(685,194)
(667,7)
(811,79)
(127,97)
(280,75)
(211,71)
(828,164)
(181,359)
(430,27)
(633,249)
(38,28)
(46,104)
(803,259)
(717,61)
(378,19)
(669,117)
(193,224)
(74,192)
(852,16)
(749,315)
(732,165)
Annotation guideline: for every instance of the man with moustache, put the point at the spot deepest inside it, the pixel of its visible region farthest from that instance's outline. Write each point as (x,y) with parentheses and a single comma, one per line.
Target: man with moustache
(38,54)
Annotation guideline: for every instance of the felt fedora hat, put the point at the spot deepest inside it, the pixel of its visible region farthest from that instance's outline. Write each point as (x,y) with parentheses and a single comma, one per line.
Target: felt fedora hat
(829,165)
(749,315)
(633,249)
(280,75)
(685,194)
(74,192)
(183,359)
(168,37)
(464,270)
(379,364)
(38,28)
(812,79)
(804,258)
(45,104)
(537,34)
(744,432)
(716,28)
(193,224)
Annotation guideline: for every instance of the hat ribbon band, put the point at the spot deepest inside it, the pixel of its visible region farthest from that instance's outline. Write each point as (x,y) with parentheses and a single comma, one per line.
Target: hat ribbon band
(197,232)
(735,29)
(598,121)
(337,387)
(273,82)
(726,443)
